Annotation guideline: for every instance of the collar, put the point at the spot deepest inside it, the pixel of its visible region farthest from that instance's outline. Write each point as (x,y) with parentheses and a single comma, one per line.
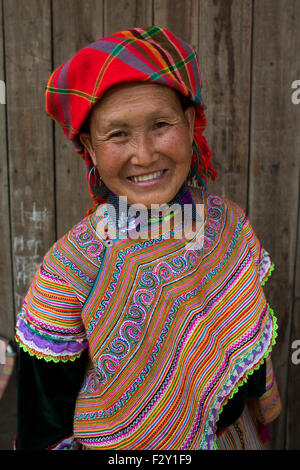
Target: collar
(121,207)
(126,220)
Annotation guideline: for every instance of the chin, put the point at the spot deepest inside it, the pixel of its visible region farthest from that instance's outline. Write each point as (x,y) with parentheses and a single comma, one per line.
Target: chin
(146,197)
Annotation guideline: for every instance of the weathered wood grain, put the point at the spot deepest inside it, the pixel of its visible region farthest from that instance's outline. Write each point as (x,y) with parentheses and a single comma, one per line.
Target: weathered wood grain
(225,66)
(125,14)
(249,56)
(6,288)
(297,260)
(28,63)
(274,164)
(75,25)
(180,17)
(293,383)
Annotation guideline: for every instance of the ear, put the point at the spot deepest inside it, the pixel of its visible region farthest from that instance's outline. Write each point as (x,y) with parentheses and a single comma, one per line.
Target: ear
(190,117)
(85,139)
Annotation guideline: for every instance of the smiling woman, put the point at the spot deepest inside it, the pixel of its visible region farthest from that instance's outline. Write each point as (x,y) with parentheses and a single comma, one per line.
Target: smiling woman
(155,343)
(140,140)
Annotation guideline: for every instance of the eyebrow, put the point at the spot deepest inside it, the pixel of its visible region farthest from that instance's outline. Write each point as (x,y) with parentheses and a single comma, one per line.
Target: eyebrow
(159,111)
(116,123)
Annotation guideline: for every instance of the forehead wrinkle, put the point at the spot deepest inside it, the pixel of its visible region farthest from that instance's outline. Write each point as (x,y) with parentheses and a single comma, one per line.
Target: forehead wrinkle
(149,114)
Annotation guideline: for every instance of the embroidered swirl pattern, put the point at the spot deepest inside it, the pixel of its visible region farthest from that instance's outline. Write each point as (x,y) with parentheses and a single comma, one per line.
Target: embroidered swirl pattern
(86,240)
(132,327)
(133,324)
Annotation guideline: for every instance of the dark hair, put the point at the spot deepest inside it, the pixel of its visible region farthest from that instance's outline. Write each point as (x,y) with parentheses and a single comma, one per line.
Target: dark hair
(184,100)
(85,128)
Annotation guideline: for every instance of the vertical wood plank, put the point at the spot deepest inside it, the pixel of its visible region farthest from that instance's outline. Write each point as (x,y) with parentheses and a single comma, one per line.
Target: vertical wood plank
(274,166)
(83,26)
(124,14)
(179,17)
(297,261)
(293,384)
(7,319)
(28,61)
(225,65)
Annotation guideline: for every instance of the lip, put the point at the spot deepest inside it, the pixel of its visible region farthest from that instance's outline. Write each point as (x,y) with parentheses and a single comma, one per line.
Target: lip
(148,182)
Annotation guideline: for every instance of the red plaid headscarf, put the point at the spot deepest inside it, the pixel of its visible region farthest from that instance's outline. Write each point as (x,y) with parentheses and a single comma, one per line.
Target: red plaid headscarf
(152,55)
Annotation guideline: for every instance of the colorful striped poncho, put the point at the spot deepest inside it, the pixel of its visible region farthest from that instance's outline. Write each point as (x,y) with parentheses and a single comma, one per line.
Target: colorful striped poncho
(172,331)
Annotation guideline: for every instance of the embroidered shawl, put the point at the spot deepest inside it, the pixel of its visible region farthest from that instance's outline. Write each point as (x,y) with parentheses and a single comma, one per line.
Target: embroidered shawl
(173,330)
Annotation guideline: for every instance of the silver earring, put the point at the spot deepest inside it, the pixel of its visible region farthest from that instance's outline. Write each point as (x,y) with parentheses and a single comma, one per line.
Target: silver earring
(100,189)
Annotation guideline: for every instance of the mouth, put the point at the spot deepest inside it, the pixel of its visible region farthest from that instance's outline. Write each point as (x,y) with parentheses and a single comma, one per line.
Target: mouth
(149,177)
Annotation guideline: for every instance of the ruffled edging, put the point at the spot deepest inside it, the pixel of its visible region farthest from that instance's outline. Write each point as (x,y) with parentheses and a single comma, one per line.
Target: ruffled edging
(67,443)
(250,372)
(265,268)
(267,277)
(33,352)
(46,348)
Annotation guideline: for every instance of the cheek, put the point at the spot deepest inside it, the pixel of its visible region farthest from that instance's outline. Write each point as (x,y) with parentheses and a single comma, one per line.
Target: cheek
(176,144)
(108,159)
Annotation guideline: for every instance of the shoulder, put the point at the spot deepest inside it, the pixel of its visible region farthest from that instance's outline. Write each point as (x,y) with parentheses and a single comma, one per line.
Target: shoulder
(219,207)
(82,241)
(49,324)
(227,221)
(232,223)
(75,257)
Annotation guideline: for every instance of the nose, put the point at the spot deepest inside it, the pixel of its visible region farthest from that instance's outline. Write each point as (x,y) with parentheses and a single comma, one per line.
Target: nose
(143,152)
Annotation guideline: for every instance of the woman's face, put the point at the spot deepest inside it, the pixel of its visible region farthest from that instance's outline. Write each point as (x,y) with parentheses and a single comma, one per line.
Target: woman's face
(141,142)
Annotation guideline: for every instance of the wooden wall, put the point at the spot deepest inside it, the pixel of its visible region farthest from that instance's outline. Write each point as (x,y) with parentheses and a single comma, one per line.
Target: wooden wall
(249,57)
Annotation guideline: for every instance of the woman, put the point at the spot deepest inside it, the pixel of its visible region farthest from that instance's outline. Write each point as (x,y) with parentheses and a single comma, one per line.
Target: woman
(153,342)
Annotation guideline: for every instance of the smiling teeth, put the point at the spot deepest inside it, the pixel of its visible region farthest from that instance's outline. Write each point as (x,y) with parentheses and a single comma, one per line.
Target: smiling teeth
(150,176)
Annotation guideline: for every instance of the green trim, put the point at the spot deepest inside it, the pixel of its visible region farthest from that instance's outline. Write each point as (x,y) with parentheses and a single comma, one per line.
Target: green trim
(151,32)
(70,91)
(47,358)
(268,275)
(49,336)
(250,372)
(181,63)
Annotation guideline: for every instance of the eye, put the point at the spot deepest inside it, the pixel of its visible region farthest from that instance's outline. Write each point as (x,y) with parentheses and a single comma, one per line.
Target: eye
(160,124)
(117,134)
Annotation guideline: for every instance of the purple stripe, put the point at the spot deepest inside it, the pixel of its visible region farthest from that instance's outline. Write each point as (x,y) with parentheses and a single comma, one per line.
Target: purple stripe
(125,56)
(49,345)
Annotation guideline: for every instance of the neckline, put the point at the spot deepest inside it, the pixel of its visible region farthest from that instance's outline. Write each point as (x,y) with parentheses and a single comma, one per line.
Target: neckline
(122,208)
(109,214)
